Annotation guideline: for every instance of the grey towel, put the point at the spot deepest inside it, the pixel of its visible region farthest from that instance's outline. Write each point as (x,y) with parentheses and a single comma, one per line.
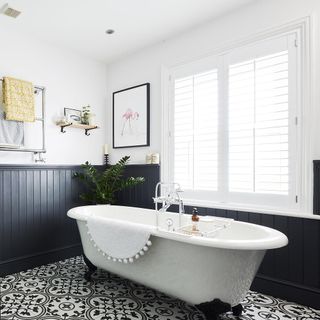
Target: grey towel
(11,132)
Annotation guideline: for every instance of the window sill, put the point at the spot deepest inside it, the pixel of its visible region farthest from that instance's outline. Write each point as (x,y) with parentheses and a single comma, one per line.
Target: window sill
(238,207)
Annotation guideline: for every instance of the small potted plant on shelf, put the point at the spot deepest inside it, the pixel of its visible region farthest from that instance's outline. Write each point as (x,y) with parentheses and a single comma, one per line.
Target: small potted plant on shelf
(85,119)
(103,185)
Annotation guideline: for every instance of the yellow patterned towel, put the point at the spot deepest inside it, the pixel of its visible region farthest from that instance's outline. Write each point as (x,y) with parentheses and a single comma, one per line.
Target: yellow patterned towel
(18,100)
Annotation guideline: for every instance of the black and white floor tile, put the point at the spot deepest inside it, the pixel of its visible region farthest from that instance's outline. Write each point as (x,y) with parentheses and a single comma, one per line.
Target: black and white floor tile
(59,291)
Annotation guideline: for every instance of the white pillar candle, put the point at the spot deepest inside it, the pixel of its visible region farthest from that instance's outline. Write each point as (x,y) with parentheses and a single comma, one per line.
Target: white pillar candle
(155,159)
(149,158)
(106,149)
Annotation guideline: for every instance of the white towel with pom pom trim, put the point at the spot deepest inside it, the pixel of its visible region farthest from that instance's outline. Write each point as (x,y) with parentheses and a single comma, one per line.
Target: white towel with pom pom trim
(118,239)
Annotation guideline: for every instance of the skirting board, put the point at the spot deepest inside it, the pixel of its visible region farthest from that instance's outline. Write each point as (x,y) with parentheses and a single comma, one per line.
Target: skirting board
(286,290)
(26,262)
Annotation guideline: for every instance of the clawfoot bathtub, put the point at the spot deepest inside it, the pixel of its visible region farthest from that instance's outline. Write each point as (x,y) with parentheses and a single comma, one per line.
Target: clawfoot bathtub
(192,268)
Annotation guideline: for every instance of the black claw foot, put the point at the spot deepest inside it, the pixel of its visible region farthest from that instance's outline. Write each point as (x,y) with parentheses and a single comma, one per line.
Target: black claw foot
(237,310)
(213,309)
(92,268)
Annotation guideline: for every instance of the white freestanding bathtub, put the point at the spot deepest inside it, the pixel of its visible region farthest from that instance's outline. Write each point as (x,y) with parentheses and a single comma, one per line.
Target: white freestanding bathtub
(192,268)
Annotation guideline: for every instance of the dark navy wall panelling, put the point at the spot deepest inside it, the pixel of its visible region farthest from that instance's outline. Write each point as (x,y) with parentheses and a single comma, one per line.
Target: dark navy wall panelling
(34,200)
(33,223)
(141,195)
(316,187)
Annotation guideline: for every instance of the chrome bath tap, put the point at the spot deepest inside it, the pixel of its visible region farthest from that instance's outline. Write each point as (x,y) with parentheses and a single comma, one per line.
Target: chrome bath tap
(172,197)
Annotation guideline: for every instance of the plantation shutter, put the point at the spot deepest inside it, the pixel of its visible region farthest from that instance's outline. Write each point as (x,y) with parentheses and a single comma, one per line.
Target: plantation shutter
(258,125)
(233,126)
(195,131)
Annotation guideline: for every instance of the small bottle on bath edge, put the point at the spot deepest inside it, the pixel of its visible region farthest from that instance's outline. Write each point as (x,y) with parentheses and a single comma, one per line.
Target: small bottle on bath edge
(195,219)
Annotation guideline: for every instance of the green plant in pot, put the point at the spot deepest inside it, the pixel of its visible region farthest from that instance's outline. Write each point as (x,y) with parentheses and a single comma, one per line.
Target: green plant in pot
(102,186)
(85,115)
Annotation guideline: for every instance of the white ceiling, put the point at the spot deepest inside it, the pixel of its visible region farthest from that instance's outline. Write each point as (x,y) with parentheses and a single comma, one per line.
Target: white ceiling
(80,25)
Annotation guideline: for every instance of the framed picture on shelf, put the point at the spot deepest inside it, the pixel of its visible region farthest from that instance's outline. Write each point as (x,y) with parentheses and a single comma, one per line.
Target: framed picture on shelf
(73,115)
(131,117)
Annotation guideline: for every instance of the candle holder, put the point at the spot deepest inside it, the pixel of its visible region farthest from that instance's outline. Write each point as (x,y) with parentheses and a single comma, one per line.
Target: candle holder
(106,159)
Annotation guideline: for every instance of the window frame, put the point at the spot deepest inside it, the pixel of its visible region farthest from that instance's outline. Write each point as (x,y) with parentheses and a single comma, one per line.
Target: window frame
(303,176)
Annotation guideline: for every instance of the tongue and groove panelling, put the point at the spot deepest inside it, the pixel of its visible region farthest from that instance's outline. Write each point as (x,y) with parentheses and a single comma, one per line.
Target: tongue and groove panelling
(34,200)
(33,222)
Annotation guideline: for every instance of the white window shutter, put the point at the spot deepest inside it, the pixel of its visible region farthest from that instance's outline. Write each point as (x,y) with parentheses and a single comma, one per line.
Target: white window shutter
(234,136)
(259,125)
(195,131)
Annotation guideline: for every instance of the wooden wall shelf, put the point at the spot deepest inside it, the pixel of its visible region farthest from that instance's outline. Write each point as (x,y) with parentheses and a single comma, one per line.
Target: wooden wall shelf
(85,127)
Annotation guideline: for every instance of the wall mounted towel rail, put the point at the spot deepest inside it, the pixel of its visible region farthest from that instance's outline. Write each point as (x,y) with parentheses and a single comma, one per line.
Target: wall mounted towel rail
(37,88)
(42,149)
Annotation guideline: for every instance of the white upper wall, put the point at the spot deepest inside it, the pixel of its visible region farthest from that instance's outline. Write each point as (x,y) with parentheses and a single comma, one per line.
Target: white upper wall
(145,65)
(70,81)
(74,81)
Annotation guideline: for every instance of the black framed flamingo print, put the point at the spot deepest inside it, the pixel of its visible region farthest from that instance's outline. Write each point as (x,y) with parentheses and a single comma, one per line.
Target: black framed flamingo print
(131,117)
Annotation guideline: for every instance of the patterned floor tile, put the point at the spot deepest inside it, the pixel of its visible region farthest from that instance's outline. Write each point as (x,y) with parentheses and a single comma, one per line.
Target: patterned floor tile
(59,291)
